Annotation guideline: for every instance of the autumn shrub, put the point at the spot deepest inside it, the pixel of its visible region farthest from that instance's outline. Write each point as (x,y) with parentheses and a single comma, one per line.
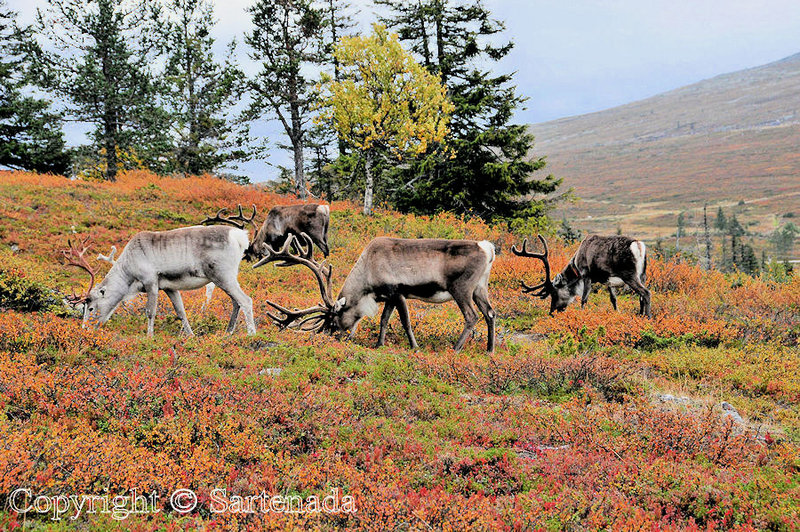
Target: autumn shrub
(565,426)
(49,335)
(638,331)
(21,293)
(674,275)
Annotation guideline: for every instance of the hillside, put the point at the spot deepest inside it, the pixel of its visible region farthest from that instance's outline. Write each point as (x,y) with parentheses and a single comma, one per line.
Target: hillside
(729,139)
(590,419)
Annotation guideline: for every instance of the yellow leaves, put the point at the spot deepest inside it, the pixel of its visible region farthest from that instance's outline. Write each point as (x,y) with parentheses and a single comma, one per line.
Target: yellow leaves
(385,98)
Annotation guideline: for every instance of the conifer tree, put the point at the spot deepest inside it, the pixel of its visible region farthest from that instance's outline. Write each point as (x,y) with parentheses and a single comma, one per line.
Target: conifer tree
(97,57)
(199,90)
(286,42)
(487,169)
(30,131)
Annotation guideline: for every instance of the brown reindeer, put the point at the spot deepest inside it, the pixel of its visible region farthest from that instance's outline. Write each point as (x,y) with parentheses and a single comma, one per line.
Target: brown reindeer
(389,271)
(613,261)
(285,220)
(282,221)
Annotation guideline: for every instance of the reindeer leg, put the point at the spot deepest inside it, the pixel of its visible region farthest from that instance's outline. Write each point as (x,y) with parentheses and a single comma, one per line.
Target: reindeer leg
(481,298)
(353,330)
(209,293)
(152,306)
(177,304)
(388,308)
(234,316)
(587,288)
(644,295)
(402,310)
(612,294)
(240,301)
(470,316)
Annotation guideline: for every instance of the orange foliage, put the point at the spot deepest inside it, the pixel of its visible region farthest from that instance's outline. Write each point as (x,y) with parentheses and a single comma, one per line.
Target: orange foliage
(548,432)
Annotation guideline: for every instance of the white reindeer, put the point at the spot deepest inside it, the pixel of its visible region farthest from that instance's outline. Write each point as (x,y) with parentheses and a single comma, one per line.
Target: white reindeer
(181,259)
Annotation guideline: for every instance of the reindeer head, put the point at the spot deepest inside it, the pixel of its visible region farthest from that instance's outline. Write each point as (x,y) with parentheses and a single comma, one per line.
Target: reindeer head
(324,317)
(99,302)
(92,297)
(561,290)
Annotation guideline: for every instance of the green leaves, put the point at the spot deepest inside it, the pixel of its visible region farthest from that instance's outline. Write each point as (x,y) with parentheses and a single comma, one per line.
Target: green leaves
(488,169)
(98,60)
(385,99)
(384,102)
(199,91)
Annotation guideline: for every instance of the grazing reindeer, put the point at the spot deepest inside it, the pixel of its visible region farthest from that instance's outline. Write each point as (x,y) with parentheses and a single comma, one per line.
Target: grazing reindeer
(610,260)
(181,259)
(285,220)
(110,259)
(282,221)
(390,270)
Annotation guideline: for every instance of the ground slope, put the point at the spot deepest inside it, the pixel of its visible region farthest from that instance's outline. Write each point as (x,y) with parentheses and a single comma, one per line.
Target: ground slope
(590,419)
(729,139)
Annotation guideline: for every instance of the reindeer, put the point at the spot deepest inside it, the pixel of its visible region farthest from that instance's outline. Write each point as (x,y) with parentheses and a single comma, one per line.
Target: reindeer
(282,221)
(610,260)
(285,220)
(181,259)
(111,260)
(389,271)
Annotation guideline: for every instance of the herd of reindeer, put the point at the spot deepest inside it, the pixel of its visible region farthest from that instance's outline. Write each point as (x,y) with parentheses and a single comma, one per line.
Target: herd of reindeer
(389,271)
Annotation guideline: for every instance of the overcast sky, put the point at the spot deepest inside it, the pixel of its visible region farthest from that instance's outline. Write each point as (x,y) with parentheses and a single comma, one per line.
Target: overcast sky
(578,56)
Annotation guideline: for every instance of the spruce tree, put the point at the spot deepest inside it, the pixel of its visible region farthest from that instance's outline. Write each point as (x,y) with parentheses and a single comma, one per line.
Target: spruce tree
(486,168)
(97,57)
(30,131)
(339,22)
(199,90)
(706,237)
(328,152)
(681,227)
(720,222)
(286,41)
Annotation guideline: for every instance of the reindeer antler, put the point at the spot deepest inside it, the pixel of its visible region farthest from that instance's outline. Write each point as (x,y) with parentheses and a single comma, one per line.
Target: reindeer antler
(239,220)
(77,259)
(110,257)
(545,287)
(315,319)
(318,318)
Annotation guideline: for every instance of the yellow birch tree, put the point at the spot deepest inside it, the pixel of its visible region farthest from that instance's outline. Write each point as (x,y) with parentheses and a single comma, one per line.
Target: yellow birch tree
(384,101)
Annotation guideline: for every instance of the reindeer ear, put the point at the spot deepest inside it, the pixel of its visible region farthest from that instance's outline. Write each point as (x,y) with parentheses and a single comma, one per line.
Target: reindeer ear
(340,304)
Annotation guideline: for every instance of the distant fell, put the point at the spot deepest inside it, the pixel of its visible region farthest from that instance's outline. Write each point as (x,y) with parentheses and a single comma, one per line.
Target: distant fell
(732,140)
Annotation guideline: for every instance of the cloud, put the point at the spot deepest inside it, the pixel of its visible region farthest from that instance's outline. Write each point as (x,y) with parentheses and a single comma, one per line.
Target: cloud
(586,55)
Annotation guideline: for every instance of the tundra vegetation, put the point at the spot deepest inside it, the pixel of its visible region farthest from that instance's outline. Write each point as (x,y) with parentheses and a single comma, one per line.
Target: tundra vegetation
(587,419)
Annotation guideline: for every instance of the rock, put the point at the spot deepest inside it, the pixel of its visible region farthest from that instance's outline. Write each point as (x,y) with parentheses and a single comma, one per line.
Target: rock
(729,411)
(669,398)
(272,372)
(524,339)
(262,344)
(535,452)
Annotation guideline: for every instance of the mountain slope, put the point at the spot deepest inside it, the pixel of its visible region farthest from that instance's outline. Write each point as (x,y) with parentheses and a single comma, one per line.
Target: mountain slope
(729,139)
